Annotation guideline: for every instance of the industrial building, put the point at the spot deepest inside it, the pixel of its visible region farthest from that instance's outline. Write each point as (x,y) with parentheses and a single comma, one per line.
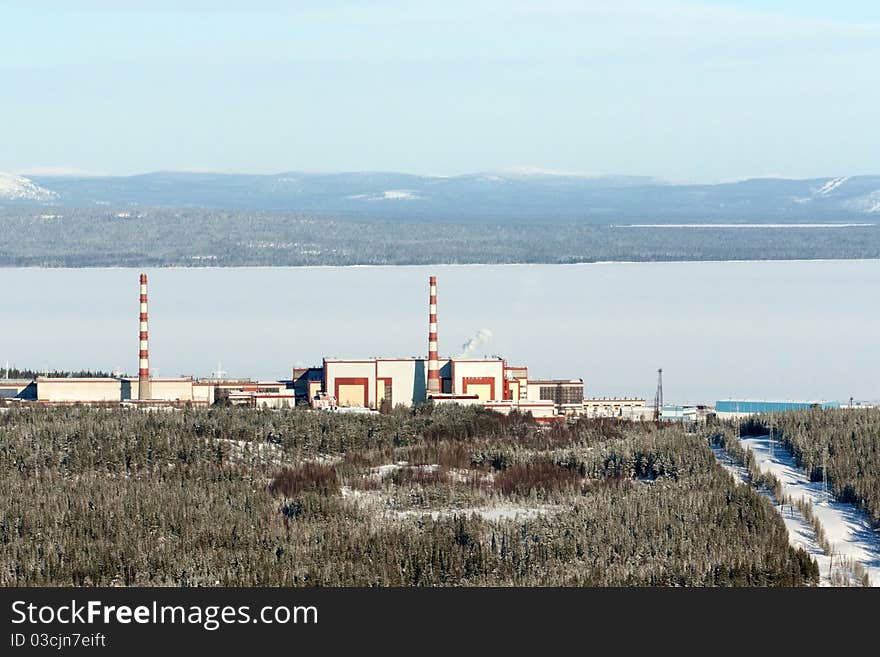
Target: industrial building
(405,380)
(164,392)
(145,390)
(490,382)
(739,408)
(628,408)
(338,384)
(18,389)
(567,395)
(73,390)
(113,390)
(374,384)
(369,383)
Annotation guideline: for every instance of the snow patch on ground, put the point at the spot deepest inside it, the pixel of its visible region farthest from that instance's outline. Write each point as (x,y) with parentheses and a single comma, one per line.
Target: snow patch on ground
(382,471)
(389,195)
(325,459)
(399,195)
(376,501)
(241,449)
(463,475)
(491,513)
(830,186)
(847,528)
(869,203)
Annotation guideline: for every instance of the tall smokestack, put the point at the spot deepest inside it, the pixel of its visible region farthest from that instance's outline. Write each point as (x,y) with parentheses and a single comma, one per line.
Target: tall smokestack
(433,361)
(144,387)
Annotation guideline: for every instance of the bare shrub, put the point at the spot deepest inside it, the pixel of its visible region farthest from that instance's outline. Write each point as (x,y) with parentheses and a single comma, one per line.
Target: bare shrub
(451,454)
(614,483)
(417,476)
(522,478)
(364,482)
(358,459)
(317,477)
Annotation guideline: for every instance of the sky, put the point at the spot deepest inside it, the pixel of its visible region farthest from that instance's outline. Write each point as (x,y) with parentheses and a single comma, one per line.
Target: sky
(687,91)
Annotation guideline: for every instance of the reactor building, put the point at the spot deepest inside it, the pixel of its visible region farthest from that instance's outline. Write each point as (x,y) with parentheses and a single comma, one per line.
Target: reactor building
(489,382)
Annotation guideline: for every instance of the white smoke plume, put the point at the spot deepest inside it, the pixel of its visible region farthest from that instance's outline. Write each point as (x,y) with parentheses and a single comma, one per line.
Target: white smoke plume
(480,338)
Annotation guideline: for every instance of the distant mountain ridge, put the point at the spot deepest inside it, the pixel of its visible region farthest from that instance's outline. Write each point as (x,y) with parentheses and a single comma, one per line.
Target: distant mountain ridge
(534,196)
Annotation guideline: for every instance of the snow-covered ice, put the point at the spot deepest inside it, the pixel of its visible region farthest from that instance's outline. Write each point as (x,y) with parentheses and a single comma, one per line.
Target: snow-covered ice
(728,225)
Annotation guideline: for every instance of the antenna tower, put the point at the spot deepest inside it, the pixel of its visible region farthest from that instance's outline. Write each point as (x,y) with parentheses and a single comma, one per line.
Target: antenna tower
(658,397)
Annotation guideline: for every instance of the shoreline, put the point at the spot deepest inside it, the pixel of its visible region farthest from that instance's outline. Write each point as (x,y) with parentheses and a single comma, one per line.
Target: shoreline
(444,264)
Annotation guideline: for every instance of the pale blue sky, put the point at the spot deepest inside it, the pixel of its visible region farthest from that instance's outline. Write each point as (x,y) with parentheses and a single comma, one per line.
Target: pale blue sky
(682,90)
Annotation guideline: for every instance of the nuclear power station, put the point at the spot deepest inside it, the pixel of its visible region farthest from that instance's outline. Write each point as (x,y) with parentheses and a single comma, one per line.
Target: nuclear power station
(366,385)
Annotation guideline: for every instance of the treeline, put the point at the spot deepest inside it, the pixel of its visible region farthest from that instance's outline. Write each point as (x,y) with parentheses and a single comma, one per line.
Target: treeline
(842,444)
(26,373)
(433,496)
(77,237)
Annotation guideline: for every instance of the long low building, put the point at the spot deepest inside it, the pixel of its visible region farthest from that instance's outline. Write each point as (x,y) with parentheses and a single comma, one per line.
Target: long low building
(62,390)
(177,391)
(739,408)
(630,408)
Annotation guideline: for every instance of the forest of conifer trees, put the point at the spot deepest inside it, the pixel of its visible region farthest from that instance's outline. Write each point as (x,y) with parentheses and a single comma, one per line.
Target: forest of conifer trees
(433,496)
(842,444)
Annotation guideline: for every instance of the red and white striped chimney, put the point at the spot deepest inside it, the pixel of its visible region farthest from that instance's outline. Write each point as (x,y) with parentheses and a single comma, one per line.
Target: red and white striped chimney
(144,387)
(433,360)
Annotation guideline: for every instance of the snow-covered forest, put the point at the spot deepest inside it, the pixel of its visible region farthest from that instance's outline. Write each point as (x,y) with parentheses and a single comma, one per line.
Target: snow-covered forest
(194,237)
(445,496)
(841,447)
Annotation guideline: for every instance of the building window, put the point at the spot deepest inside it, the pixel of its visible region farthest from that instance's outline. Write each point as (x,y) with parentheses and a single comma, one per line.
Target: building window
(563,394)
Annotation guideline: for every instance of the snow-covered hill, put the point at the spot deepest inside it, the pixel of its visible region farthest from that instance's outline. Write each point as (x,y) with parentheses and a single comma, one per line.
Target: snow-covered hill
(15,188)
(536,196)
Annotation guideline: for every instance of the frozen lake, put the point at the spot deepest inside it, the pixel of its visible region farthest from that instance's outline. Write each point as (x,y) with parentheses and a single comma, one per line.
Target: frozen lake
(735,329)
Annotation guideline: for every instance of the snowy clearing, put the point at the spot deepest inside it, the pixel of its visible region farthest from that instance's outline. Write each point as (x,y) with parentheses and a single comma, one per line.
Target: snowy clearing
(800,532)
(507,512)
(382,471)
(377,502)
(846,527)
(830,186)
